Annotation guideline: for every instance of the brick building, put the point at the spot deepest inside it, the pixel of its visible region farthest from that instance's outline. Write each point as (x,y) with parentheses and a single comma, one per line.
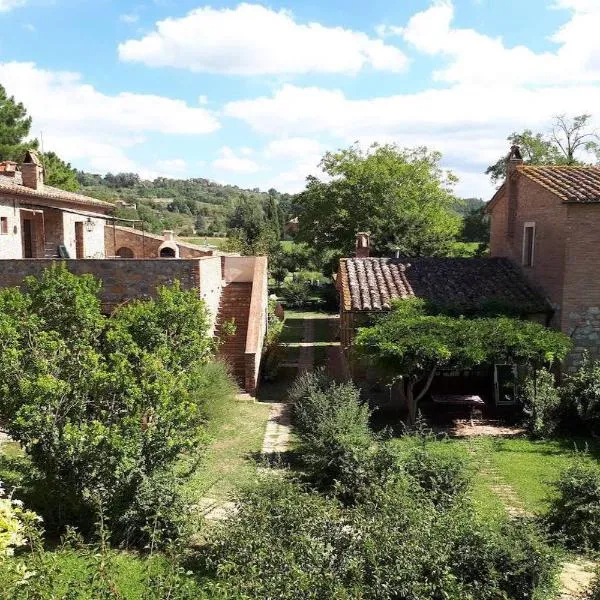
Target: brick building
(40,225)
(40,221)
(546,219)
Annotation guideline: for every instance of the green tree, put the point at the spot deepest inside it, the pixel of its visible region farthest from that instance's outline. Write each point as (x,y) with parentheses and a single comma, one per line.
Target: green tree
(410,346)
(15,126)
(58,173)
(104,407)
(563,145)
(401,196)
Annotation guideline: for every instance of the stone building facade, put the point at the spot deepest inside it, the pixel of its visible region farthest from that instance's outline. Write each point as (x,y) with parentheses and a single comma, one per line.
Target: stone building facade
(546,220)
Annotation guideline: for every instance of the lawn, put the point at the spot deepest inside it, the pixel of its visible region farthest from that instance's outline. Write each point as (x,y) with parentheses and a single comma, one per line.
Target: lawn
(237,431)
(528,466)
(213,242)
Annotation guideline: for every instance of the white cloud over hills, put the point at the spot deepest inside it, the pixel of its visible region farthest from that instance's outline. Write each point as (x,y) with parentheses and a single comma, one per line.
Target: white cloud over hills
(254,40)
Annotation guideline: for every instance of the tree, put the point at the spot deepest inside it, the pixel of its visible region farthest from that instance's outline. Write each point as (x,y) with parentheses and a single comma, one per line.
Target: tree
(410,346)
(15,126)
(58,173)
(568,137)
(401,196)
(104,407)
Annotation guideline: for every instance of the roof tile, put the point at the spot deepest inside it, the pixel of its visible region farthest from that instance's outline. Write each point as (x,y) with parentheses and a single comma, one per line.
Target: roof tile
(372,284)
(572,184)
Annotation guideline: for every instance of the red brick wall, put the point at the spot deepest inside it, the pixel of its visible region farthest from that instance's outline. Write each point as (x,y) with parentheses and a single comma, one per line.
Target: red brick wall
(144,245)
(538,205)
(581,298)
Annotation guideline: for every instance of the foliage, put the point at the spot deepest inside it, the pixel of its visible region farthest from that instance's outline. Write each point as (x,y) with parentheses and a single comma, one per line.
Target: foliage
(102,406)
(582,389)
(574,514)
(289,543)
(443,478)
(16,523)
(401,196)
(15,126)
(561,146)
(273,352)
(541,402)
(410,346)
(476,226)
(296,292)
(58,173)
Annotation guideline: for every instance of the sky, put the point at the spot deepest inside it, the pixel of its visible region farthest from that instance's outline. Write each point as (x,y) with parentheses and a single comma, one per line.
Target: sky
(254,93)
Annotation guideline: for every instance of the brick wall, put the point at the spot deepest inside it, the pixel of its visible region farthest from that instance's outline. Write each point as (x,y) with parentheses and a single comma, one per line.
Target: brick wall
(145,245)
(581,298)
(540,206)
(122,279)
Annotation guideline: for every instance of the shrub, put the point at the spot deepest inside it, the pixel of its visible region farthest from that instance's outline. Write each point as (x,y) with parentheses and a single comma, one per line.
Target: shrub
(444,478)
(296,293)
(583,390)
(574,514)
(102,405)
(541,401)
(288,543)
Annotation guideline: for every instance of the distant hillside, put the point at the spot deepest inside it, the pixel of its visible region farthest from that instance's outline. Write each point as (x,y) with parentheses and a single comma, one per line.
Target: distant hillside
(465,206)
(185,205)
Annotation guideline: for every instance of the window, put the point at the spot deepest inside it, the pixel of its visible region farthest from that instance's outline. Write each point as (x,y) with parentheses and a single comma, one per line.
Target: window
(528,244)
(4,225)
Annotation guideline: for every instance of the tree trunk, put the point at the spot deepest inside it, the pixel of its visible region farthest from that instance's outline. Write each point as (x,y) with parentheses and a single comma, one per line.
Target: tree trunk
(412,400)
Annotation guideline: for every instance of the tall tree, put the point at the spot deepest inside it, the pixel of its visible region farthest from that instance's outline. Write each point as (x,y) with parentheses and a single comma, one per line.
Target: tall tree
(58,173)
(15,126)
(563,145)
(401,196)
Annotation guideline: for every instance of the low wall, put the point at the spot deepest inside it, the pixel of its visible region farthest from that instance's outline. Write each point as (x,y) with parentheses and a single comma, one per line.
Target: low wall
(145,245)
(257,323)
(122,279)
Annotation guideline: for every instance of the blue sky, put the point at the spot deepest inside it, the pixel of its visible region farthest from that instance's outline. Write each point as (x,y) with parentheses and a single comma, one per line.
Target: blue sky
(253,94)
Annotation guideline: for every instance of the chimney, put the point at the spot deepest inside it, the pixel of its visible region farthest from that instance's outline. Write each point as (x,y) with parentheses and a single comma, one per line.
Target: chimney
(32,171)
(8,168)
(513,160)
(363,244)
(169,235)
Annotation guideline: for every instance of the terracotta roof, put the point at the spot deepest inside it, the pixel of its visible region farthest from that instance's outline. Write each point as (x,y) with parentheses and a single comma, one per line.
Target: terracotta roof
(14,185)
(371,284)
(571,184)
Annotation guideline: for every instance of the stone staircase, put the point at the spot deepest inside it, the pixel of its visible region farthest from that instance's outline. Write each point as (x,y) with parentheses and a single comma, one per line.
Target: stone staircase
(234,305)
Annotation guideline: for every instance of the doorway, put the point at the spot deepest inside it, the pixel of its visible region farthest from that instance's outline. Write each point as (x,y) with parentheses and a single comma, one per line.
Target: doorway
(505,384)
(79,250)
(27,233)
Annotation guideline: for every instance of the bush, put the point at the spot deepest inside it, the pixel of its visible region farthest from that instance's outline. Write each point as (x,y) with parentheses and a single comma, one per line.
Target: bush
(103,405)
(541,401)
(296,293)
(583,390)
(574,514)
(443,478)
(288,543)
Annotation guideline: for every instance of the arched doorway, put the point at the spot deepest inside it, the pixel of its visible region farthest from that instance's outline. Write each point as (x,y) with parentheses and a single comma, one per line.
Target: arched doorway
(167,252)
(125,252)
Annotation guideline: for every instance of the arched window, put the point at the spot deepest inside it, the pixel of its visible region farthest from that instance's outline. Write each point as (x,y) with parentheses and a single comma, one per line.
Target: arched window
(167,252)
(125,252)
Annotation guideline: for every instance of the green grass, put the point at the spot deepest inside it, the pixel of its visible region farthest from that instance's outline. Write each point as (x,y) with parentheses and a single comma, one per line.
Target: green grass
(215,242)
(529,466)
(237,432)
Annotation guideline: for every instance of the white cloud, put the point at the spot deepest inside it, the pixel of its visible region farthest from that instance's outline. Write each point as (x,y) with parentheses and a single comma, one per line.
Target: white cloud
(173,166)
(229,161)
(480,59)
(252,39)
(295,148)
(129,18)
(6,5)
(203,99)
(84,125)
(29,27)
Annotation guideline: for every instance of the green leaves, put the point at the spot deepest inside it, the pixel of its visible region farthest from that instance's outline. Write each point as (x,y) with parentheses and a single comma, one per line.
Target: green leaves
(101,404)
(400,195)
